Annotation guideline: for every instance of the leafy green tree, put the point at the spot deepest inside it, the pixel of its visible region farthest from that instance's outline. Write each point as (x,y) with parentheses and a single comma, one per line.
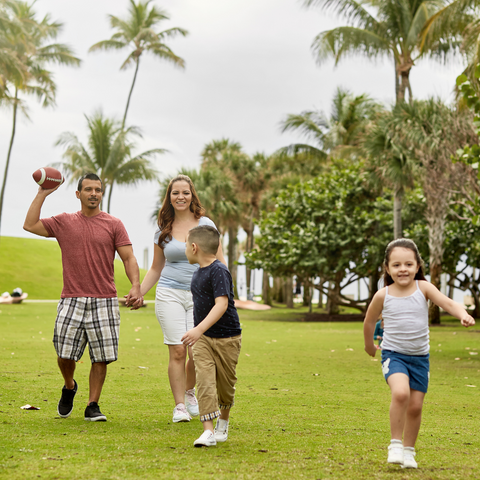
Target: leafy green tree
(137,32)
(27,51)
(109,154)
(393,29)
(331,227)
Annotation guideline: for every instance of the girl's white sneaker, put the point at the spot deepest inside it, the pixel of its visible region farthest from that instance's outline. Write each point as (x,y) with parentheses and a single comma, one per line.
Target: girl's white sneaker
(409,458)
(395,453)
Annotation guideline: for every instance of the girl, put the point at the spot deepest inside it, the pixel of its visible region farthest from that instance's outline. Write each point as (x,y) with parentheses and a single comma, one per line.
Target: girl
(405,359)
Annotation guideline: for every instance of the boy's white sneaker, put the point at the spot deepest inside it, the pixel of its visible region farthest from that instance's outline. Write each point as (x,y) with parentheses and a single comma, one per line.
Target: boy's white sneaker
(180,414)
(395,453)
(409,458)
(221,430)
(206,439)
(191,402)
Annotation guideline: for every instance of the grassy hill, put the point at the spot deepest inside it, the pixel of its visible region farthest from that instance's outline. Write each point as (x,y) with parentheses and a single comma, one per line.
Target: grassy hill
(36,267)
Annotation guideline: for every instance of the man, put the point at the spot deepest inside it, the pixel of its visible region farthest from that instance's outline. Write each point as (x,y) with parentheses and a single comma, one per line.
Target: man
(88,309)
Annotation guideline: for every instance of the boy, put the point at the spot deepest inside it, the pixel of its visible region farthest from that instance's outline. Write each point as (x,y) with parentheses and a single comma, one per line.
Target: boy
(216,337)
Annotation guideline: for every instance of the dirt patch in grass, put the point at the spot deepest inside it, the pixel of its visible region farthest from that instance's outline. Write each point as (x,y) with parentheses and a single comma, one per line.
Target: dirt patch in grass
(325,317)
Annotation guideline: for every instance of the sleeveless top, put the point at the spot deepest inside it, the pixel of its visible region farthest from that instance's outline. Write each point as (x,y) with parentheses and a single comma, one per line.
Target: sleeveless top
(177,272)
(406,323)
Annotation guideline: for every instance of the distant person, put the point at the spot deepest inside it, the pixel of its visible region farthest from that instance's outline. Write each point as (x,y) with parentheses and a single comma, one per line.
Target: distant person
(216,337)
(403,303)
(88,309)
(181,211)
(378,333)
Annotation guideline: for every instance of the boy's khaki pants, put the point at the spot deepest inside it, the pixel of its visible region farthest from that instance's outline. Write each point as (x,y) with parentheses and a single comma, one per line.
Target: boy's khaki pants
(215,363)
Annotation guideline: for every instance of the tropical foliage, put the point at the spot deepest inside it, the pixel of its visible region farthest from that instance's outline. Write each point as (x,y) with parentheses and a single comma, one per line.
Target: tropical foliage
(137,33)
(109,153)
(26,50)
(402,31)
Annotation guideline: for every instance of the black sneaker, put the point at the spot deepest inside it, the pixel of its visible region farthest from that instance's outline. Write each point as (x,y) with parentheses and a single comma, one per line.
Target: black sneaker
(93,413)
(65,405)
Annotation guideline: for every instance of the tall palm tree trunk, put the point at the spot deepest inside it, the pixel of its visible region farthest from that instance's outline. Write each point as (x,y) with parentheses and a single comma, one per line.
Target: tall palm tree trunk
(397,213)
(436,214)
(232,256)
(130,94)
(109,196)
(4,183)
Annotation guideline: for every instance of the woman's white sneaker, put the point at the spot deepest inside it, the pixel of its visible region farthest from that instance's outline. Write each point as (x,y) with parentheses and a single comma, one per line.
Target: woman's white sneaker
(221,430)
(409,458)
(206,439)
(180,414)
(191,402)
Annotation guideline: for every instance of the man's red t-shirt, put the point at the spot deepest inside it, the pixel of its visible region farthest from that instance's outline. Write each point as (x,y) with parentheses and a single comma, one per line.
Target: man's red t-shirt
(88,247)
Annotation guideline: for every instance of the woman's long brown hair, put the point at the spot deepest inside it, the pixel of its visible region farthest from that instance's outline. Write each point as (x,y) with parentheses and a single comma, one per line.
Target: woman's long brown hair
(166,215)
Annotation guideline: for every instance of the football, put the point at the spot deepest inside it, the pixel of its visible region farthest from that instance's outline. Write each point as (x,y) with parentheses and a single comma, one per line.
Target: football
(48,177)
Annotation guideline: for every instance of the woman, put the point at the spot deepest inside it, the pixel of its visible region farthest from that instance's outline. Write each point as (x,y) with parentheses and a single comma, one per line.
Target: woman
(180,212)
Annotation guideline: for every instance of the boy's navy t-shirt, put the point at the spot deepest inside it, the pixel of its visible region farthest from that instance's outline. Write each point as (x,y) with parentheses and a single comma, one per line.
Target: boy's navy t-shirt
(208,283)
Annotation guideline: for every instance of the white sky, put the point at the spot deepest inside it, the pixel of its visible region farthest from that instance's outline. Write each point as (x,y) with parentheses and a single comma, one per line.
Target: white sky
(248,64)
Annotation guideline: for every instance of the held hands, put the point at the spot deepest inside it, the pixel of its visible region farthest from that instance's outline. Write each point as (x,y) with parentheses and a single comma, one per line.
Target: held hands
(467,320)
(134,299)
(191,337)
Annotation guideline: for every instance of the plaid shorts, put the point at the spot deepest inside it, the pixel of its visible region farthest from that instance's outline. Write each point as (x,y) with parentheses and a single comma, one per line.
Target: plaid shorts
(86,319)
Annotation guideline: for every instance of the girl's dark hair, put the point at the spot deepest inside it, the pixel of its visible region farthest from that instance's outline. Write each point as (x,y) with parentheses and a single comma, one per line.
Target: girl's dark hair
(402,243)
(166,214)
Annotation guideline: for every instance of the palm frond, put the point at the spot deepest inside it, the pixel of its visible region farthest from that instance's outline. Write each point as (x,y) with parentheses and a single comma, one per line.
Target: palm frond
(352,11)
(344,41)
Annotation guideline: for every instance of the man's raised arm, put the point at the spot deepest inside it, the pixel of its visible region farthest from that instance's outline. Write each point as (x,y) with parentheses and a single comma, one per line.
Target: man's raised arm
(32,222)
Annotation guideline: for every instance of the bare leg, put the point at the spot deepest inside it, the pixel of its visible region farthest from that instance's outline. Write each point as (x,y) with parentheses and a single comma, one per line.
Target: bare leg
(208,425)
(400,388)
(413,418)
(190,371)
(67,368)
(225,414)
(98,372)
(176,371)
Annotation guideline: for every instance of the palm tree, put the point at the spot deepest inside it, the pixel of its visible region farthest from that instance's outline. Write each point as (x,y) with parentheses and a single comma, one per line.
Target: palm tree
(398,30)
(27,40)
(433,133)
(217,156)
(338,135)
(137,32)
(445,20)
(109,154)
(389,161)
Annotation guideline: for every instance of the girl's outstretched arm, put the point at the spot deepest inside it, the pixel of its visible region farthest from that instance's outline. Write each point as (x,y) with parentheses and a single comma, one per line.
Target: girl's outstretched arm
(374,310)
(432,293)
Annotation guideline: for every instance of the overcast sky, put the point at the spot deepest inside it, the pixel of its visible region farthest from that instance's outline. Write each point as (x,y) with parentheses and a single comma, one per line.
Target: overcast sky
(248,64)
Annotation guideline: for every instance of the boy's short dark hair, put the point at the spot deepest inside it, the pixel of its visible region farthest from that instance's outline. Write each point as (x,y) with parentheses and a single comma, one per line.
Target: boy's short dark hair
(206,237)
(88,176)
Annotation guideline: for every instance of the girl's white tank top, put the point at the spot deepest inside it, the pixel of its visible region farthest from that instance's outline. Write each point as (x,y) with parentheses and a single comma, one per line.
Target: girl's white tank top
(406,323)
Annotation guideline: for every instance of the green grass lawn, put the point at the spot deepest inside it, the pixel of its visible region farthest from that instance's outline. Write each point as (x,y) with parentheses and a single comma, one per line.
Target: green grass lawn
(35,265)
(310,404)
